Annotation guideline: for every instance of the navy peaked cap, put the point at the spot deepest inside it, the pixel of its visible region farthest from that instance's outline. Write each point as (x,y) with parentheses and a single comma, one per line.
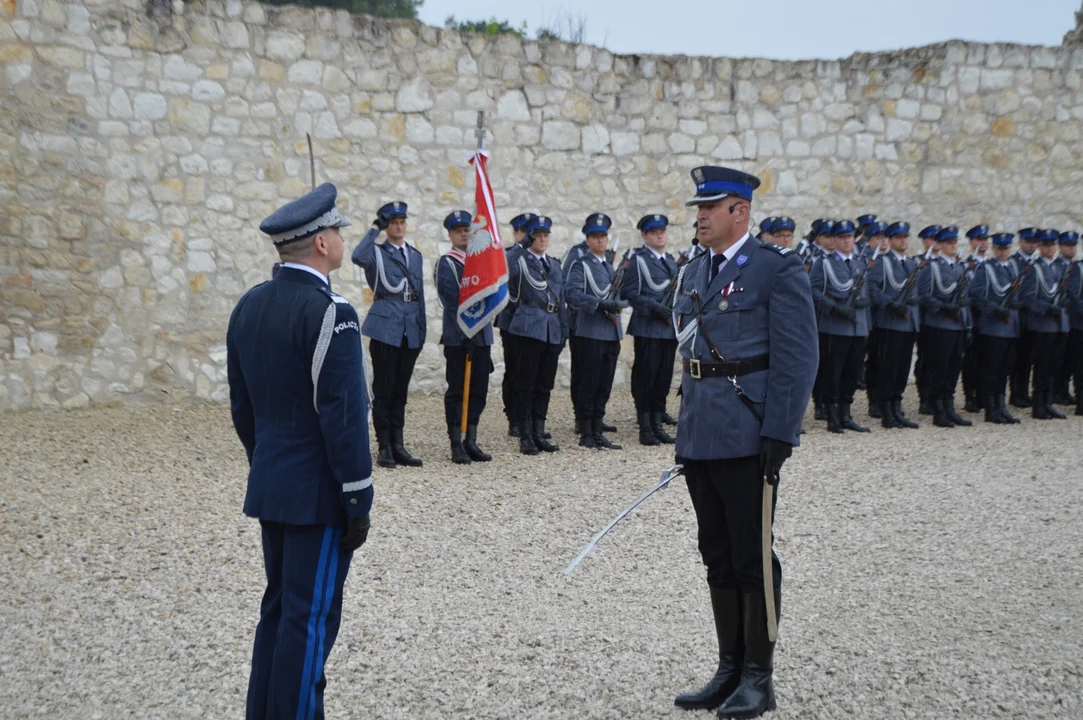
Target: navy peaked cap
(1049,235)
(842,227)
(392,210)
(1002,239)
(876,228)
(651,222)
(714,183)
(304,216)
(539,222)
(782,223)
(978,232)
(1068,238)
(930,231)
(766,223)
(597,223)
(459,218)
(948,234)
(1028,233)
(520,221)
(899,228)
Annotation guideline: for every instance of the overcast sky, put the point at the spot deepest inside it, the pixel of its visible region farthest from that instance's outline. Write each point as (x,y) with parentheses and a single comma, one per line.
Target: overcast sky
(782,29)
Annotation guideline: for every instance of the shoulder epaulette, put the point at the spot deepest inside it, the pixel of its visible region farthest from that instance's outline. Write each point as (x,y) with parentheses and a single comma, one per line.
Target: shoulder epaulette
(778,248)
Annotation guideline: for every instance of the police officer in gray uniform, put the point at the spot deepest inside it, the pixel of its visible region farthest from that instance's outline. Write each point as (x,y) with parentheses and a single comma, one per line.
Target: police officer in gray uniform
(300,408)
(395,326)
(447,277)
(997,327)
(646,285)
(590,293)
(507,385)
(746,332)
(536,280)
(1048,321)
(838,288)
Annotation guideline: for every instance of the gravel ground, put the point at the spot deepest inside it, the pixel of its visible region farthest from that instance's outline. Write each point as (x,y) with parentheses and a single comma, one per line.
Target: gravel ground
(928,573)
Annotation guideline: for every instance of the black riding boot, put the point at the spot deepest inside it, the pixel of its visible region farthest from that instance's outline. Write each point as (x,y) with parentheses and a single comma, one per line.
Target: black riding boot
(940,412)
(586,434)
(876,410)
(399,451)
(541,439)
(726,606)
(926,406)
(833,422)
(1038,410)
(384,459)
(470,444)
(887,417)
(1002,408)
(601,440)
(848,422)
(459,455)
(606,427)
(667,419)
(659,431)
(526,439)
(755,694)
(513,428)
(1053,412)
(992,412)
(902,420)
(819,410)
(646,432)
(949,407)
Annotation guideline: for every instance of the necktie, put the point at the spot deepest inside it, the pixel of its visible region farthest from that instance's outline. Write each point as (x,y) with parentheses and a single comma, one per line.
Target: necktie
(545,264)
(847,263)
(716,264)
(405,261)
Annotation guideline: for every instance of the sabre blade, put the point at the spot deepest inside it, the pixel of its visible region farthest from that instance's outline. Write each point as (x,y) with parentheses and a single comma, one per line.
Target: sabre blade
(667,477)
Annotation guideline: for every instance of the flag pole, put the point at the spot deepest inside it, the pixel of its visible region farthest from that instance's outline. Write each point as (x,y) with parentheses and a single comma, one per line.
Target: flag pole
(480,133)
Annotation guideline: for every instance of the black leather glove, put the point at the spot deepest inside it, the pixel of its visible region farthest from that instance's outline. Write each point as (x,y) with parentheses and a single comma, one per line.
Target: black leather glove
(1002,313)
(1015,305)
(527,241)
(898,308)
(356,533)
(861,303)
(609,306)
(1054,311)
(950,308)
(912,302)
(772,454)
(658,309)
(380,222)
(848,313)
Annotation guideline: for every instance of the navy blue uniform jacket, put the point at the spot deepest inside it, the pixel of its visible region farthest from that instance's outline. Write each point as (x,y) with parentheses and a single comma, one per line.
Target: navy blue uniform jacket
(297,393)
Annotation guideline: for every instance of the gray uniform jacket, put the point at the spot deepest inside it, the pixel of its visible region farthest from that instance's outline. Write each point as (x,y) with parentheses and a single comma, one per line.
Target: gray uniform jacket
(447,276)
(832,282)
(937,287)
(537,315)
(648,278)
(768,312)
(886,282)
(987,290)
(398,310)
(503,320)
(589,281)
(1039,292)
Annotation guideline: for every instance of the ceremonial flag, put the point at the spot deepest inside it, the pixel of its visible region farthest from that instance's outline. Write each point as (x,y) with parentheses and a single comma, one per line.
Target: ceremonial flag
(484,289)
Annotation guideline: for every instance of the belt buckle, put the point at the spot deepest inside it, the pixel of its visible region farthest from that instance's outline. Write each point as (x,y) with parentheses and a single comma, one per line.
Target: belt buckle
(694,369)
(407,296)
(550,308)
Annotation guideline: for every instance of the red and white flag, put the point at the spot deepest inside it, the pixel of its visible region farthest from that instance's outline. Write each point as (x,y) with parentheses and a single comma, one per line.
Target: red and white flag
(484,289)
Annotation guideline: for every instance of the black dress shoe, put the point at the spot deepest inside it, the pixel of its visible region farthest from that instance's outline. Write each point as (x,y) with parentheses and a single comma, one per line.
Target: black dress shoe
(667,419)
(646,434)
(470,443)
(399,452)
(384,459)
(659,430)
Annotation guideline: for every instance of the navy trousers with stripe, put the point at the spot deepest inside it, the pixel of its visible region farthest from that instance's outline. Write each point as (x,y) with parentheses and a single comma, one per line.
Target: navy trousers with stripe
(299,620)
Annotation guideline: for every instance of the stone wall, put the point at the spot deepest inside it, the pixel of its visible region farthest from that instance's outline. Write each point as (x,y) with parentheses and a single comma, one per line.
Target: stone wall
(142,143)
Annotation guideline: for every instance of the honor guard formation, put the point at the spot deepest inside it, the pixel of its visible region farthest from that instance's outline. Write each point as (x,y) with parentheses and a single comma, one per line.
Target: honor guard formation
(760,328)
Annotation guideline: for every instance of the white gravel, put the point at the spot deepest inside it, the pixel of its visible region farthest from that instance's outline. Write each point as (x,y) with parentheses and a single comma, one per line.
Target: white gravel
(928,573)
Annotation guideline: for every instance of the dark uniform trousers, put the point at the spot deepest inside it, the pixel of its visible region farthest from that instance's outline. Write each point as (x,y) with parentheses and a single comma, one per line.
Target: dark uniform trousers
(299,620)
(943,360)
(575,377)
(1047,352)
(536,372)
(507,385)
(921,365)
(873,365)
(971,365)
(455,374)
(840,358)
(997,362)
(391,370)
(1074,362)
(894,351)
(727,496)
(1024,358)
(652,373)
(597,362)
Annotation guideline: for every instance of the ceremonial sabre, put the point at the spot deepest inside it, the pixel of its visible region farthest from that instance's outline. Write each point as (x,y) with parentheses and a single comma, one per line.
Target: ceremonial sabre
(768,569)
(667,478)
(311,161)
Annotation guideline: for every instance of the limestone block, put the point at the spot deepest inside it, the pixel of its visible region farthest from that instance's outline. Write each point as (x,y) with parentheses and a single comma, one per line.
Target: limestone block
(208,91)
(624,143)
(931,112)
(898,130)
(763,119)
(824,147)
(907,109)
(969,79)
(234,35)
(176,67)
(285,46)
(679,143)
(595,139)
(798,148)
(360,128)
(512,105)
(305,72)
(414,96)
(418,130)
(79,83)
(728,149)
(16,73)
(997,79)
(560,135)
(812,125)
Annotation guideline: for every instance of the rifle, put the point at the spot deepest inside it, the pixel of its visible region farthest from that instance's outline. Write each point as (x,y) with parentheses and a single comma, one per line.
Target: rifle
(957,296)
(618,280)
(910,283)
(1062,287)
(671,292)
(1013,289)
(856,290)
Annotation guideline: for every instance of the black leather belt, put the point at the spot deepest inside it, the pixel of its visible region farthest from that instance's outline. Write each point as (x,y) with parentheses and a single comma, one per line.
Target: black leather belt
(731,368)
(405,296)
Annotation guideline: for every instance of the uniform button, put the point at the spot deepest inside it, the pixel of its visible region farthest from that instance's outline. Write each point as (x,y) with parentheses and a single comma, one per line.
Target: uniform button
(353,501)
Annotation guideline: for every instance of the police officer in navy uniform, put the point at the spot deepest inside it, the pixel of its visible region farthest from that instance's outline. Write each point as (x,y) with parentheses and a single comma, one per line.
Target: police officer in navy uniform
(1066,244)
(447,277)
(1074,299)
(395,326)
(979,245)
(997,327)
(893,292)
(927,235)
(863,247)
(746,331)
(764,234)
(591,295)
(1024,351)
(507,384)
(841,296)
(782,231)
(300,408)
(942,289)
(536,280)
(876,233)
(646,285)
(1047,319)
